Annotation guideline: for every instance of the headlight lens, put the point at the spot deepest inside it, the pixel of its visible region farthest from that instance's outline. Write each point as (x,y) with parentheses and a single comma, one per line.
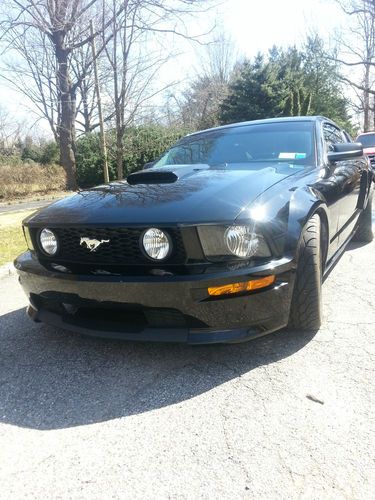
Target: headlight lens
(48,241)
(223,242)
(156,244)
(241,241)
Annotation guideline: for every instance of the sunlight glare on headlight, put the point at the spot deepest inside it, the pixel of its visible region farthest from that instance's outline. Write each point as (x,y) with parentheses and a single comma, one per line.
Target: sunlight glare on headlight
(241,241)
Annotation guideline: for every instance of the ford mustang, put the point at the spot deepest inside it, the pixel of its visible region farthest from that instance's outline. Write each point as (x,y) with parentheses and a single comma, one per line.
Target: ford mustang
(227,236)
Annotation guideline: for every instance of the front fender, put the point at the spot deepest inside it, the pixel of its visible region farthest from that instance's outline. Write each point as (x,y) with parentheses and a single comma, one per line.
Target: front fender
(304,202)
(281,217)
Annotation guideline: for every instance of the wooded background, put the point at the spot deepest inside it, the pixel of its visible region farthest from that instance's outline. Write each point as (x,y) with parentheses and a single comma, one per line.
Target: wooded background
(91,69)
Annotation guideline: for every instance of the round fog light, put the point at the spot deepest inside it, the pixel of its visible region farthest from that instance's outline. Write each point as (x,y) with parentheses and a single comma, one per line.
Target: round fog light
(156,244)
(48,241)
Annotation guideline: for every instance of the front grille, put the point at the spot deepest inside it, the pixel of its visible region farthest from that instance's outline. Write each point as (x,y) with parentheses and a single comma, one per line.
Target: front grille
(372,160)
(123,247)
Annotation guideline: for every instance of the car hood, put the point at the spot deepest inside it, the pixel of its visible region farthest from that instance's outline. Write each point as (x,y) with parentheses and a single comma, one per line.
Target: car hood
(369,151)
(197,194)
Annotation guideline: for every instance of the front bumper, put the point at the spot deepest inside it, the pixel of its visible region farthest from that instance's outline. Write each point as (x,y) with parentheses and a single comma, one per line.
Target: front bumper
(157,308)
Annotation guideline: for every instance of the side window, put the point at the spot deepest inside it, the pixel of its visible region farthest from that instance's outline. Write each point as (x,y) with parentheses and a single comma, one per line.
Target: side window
(347,137)
(332,135)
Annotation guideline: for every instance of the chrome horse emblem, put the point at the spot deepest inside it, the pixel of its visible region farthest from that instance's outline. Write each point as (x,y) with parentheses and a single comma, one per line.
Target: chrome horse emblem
(92,245)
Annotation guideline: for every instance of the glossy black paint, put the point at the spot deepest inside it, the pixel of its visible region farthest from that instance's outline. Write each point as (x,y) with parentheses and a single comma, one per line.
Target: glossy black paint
(277,199)
(202,320)
(201,195)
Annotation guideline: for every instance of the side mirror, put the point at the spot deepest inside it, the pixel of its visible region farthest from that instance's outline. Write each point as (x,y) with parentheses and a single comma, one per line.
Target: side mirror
(345,151)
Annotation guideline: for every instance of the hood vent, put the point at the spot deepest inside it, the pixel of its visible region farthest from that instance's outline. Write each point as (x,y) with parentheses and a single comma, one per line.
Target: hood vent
(152,177)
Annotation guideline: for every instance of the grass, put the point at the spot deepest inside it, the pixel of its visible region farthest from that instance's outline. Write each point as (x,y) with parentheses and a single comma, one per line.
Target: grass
(12,241)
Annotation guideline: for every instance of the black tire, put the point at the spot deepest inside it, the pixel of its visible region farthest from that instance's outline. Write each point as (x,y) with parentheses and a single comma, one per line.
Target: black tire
(306,306)
(364,232)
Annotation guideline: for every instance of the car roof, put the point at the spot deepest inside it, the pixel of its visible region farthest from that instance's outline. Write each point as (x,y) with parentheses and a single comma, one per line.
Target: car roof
(366,133)
(267,120)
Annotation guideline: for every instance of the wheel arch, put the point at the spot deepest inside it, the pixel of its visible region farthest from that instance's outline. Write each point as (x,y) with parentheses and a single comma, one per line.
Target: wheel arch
(304,203)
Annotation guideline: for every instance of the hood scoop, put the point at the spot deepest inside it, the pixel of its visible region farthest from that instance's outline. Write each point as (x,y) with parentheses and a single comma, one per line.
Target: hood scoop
(150,177)
(165,175)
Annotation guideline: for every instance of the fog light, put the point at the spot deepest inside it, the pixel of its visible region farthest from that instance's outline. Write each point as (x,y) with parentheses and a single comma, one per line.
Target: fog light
(156,244)
(48,241)
(247,286)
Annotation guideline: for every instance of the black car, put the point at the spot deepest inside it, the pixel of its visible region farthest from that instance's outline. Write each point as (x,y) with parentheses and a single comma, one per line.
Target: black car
(228,236)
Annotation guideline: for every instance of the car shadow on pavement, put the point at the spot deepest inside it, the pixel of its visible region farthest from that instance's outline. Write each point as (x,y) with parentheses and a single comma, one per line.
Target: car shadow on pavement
(52,379)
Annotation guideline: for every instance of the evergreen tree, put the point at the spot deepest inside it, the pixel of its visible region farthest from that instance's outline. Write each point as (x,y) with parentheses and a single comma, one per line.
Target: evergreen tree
(287,82)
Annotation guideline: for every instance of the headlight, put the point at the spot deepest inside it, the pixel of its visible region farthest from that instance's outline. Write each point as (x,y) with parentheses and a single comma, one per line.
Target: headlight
(241,241)
(223,242)
(48,241)
(156,244)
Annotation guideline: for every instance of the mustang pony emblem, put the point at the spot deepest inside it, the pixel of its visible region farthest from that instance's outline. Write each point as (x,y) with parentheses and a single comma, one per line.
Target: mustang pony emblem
(92,245)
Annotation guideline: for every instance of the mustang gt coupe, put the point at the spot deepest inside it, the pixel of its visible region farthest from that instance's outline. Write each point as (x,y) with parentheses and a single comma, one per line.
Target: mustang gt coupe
(226,237)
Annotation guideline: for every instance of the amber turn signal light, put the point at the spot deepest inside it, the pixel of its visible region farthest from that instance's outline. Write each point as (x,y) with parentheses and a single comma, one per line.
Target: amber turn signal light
(247,286)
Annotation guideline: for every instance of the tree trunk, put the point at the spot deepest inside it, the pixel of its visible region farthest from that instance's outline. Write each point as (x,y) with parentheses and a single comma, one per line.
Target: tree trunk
(103,145)
(366,101)
(67,140)
(85,110)
(120,152)
(67,113)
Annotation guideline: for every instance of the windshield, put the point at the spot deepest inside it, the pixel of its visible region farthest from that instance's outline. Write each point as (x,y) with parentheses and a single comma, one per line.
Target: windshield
(291,142)
(367,140)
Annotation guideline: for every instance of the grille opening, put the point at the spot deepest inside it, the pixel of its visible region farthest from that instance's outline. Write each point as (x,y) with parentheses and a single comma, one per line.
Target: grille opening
(123,248)
(113,316)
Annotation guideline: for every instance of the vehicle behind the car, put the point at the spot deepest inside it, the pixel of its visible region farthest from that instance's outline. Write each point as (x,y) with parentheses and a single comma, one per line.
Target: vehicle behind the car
(367,140)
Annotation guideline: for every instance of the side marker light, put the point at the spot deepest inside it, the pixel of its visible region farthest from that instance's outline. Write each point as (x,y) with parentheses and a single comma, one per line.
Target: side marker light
(247,286)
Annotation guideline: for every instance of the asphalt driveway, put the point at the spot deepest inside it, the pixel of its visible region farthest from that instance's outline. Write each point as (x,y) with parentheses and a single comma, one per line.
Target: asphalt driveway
(290,415)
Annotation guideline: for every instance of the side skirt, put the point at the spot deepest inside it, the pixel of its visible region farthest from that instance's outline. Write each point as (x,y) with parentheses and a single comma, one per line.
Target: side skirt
(337,256)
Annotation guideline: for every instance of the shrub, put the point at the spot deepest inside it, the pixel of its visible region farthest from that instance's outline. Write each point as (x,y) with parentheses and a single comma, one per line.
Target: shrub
(49,153)
(46,152)
(90,161)
(23,179)
(10,160)
(142,144)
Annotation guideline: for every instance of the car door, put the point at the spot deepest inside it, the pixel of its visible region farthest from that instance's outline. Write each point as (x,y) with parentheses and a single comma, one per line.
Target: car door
(346,176)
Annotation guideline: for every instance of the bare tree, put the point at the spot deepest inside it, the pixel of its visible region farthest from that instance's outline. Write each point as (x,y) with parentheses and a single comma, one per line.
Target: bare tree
(86,107)
(198,106)
(33,74)
(358,51)
(9,131)
(52,38)
(103,145)
(64,28)
(220,58)
(135,61)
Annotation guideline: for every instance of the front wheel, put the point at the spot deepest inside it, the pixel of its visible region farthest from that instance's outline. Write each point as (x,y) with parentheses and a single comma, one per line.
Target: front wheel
(306,306)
